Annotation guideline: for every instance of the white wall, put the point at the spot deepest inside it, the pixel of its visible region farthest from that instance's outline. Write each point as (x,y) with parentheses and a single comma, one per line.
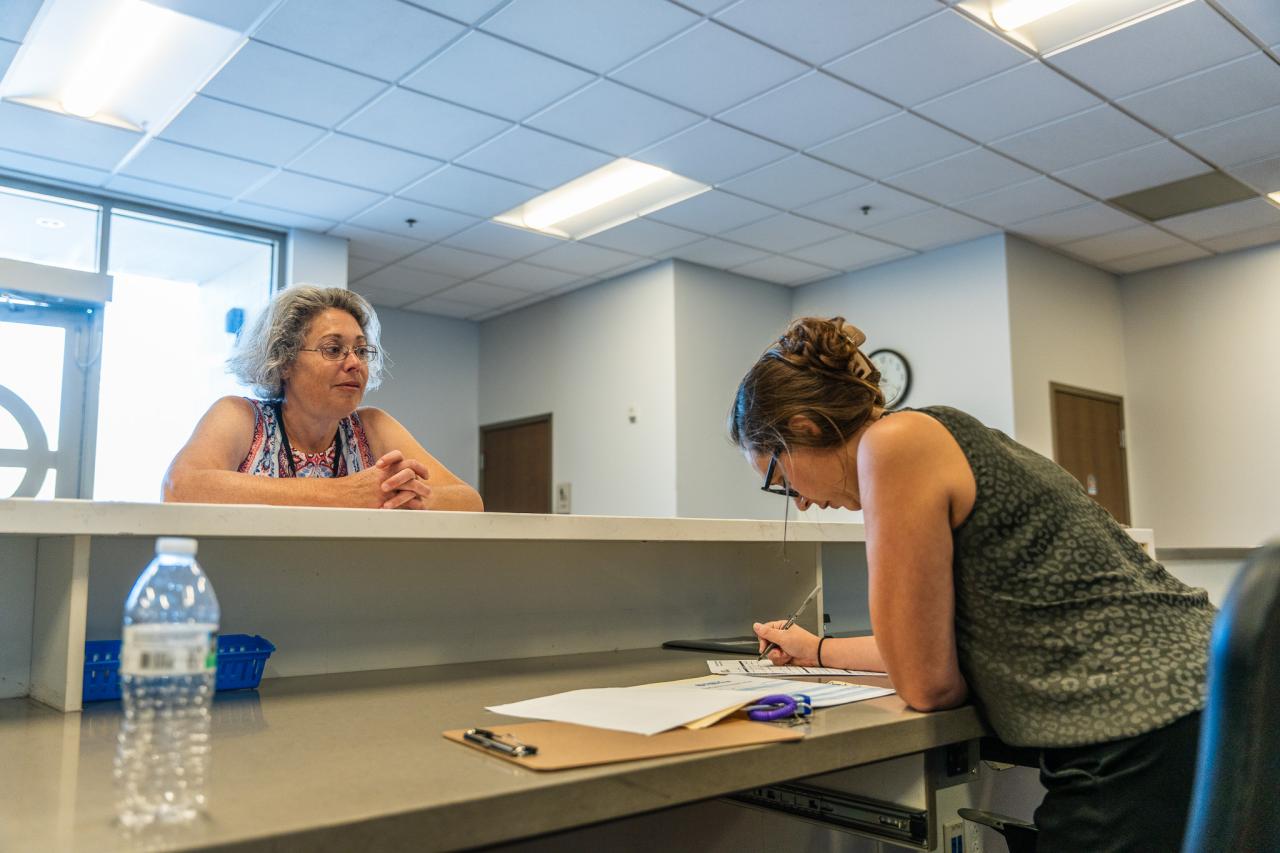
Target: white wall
(723,323)
(1066,326)
(1204,400)
(317,259)
(588,357)
(947,311)
(432,386)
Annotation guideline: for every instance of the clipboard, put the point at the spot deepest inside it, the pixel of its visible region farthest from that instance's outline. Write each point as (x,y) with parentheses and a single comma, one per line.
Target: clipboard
(564,745)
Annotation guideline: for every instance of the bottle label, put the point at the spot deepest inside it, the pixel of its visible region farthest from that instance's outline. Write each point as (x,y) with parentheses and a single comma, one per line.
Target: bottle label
(186,648)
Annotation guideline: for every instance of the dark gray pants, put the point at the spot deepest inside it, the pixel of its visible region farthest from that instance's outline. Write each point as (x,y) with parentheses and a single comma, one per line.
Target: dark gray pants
(1125,796)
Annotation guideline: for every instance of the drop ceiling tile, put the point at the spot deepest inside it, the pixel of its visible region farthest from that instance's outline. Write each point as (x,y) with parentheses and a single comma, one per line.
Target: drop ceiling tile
(1089,220)
(534,158)
(240,131)
(164,194)
(505,241)
(1158,258)
(644,237)
(191,168)
(238,15)
(808,110)
(358,268)
(415,122)
(41,167)
(582,259)
(483,295)
(275,216)
(1262,175)
(1089,135)
(850,252)
(8,50)
(408,280)
(596,36)
(712,152)
(456,263)
(706,7)
(529,277)
(15,17)
(712,212)
(929,58)
(1242,140)
(1244,239)
(363,164)
(1011,101)
(884,203)
(722,254)
(312,196)
(931,229)
(782,233)
(444,308)
(794,182)
(384,297)
(1260,17)
(44,134)
(429,223)
(1137,169)
(613,118)
(469,191)
(1228,91)
(377,245)
(1122,244)
(381,38)
(891,146)
(466,11)
(1181,41)
(783,270)
(1036,197)
(709,69)
(1224,219)
(284,83)
(824,29)
(962,176)
(495,76)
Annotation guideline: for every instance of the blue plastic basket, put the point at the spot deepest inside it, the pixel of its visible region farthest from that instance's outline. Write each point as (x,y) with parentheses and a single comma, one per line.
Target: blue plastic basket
(241,659)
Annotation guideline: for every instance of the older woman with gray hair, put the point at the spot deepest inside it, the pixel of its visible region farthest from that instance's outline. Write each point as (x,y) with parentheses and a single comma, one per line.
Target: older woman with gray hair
(310,357)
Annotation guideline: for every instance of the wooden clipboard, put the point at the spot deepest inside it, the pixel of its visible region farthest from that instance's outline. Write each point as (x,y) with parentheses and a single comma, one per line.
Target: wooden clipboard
(564,745)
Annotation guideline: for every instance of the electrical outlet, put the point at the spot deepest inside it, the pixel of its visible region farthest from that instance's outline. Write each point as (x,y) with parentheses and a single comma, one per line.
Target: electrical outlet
(564,498)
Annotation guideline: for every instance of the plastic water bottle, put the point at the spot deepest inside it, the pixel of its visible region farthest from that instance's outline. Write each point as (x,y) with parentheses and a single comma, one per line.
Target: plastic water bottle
(168,662)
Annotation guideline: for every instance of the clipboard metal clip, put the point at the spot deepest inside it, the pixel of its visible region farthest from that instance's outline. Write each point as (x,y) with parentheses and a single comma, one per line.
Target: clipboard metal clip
(506,744)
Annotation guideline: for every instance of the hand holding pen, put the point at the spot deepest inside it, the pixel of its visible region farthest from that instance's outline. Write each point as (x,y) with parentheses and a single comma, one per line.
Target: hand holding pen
(791,620)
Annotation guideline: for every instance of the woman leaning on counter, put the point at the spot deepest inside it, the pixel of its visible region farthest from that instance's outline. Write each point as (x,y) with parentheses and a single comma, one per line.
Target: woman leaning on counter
(307,442)
(994,578)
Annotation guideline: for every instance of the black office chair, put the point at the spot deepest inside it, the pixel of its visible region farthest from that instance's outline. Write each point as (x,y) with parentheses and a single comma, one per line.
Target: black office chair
(1233,804)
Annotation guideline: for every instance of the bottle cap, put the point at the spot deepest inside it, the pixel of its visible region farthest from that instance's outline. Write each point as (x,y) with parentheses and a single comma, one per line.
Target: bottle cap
(175,545)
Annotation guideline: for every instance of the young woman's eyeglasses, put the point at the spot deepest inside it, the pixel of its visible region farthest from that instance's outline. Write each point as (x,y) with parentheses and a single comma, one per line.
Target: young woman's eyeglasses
(337,352)
(776,488)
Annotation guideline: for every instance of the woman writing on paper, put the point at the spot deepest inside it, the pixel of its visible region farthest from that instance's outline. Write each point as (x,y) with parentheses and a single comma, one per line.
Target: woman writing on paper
(311,356)
(993,578)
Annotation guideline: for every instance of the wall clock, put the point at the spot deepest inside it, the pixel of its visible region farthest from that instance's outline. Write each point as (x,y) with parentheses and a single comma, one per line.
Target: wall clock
(895,375)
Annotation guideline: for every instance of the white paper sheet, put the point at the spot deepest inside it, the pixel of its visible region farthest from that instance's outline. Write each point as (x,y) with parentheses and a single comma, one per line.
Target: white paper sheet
(765,667)
(821,695)
(643,710)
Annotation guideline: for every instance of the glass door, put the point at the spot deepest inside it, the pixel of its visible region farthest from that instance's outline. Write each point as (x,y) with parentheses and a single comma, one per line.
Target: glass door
(47,352)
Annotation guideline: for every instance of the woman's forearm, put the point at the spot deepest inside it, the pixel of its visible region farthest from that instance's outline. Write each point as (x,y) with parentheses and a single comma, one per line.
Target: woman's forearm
(458,497)
(232,487)
(853,653)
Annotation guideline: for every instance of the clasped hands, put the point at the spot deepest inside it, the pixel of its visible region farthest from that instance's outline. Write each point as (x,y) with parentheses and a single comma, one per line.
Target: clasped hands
(401,483)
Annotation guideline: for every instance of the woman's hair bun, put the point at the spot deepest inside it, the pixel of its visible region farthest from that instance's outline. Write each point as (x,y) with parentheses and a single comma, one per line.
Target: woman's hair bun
(828,346)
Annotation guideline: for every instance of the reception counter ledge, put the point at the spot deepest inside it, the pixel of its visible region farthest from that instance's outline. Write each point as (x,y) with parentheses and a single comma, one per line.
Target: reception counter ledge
(356,761)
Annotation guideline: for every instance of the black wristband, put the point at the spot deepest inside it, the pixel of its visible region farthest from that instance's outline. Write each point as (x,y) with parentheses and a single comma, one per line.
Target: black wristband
(821,640)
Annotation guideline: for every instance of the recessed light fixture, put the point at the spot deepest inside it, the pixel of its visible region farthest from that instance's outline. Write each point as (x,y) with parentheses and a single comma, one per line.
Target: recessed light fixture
(50,222)
(1275,196)
(1049,26)
(599,200)
(126,63)
(1014,14)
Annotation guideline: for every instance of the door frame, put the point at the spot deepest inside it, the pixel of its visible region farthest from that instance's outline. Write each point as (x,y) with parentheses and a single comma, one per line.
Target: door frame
(532,419)
(1101,396)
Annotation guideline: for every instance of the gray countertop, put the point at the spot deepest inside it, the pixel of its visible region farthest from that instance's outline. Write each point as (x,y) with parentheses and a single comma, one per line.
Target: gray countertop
(351,760)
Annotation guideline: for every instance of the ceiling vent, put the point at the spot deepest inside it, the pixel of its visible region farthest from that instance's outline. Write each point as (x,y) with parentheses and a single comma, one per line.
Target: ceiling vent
(1188,195)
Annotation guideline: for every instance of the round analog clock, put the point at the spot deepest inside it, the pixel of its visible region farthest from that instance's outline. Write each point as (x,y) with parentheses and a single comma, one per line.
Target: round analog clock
(895,375)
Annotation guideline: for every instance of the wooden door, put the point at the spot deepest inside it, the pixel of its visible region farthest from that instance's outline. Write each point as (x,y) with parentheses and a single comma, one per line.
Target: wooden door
(1089,441)
(515,466)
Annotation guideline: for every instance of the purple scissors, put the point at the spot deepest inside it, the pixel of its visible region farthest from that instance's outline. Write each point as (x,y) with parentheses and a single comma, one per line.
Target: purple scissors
(779,706)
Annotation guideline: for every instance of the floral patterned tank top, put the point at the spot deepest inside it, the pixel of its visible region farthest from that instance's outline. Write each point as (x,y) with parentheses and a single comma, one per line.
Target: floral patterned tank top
(271,456)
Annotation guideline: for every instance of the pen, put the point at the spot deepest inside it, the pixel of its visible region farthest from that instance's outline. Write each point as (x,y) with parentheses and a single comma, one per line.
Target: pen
(791,620)
(489,740)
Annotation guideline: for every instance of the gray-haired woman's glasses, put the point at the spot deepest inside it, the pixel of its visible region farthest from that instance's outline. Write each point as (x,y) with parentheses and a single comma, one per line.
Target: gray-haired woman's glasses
(337,352)
(776,488)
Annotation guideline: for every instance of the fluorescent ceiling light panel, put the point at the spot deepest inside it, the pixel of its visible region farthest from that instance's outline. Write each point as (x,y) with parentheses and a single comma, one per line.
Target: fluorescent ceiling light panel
(1275,197)
(1049,26)
(599,200)
(125,63)
(1013,14)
